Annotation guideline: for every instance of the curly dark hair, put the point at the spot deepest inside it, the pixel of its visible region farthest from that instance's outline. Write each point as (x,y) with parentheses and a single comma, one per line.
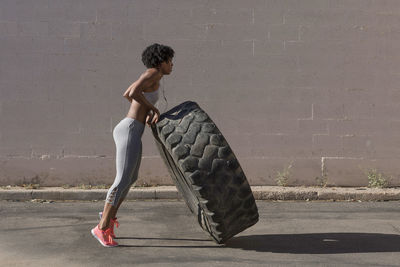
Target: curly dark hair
(155,54)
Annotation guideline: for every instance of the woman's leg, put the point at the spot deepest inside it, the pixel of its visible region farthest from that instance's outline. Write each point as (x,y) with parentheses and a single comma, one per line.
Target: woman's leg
(105,218)
(109,212)
(133,180)
(127,135)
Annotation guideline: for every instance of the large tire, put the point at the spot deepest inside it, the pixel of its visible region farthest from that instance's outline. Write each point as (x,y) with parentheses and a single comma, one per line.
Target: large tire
(205,171)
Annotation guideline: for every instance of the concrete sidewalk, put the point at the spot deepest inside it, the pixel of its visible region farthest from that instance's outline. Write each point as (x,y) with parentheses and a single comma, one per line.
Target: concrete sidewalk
(170,192)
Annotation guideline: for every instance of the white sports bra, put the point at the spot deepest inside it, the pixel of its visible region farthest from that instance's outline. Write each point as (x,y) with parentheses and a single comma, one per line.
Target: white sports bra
(152,97)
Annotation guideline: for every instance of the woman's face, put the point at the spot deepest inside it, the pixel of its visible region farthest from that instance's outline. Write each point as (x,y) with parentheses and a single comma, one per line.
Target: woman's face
(166,66)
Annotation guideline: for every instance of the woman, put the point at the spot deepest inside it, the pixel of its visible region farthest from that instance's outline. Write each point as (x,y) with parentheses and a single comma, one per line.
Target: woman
(142,94)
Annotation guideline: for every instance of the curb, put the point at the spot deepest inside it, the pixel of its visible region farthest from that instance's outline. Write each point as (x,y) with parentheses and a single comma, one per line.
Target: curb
(58,193)
(170,192)
(325,194)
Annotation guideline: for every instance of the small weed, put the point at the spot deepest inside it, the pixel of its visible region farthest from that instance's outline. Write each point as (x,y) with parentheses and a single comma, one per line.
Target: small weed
(66,186)
(322,181)
(84,186)
(31,186)
(144,184)
(100,186)
(282,177)
(377,179)
(89,186)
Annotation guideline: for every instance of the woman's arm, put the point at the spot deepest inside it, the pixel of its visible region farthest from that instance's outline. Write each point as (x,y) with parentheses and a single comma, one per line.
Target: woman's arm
(126,95)
(135,91)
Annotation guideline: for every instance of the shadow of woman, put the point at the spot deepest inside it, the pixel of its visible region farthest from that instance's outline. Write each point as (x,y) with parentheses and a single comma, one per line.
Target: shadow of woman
(319,243)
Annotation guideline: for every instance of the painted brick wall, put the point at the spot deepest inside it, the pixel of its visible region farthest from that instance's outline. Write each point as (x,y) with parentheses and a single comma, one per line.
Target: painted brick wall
(311,84)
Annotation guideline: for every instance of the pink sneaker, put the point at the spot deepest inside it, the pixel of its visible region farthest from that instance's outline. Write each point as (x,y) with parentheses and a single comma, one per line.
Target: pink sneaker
(112,223)
(104,237)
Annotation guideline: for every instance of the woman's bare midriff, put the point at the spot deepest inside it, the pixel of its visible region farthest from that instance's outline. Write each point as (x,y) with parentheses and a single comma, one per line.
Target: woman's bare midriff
(137,111)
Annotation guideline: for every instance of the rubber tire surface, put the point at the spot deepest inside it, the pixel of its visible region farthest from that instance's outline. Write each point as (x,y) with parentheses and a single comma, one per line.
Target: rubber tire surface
(205,171)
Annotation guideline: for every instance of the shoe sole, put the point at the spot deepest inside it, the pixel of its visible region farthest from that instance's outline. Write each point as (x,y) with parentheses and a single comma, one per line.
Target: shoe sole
(98,239)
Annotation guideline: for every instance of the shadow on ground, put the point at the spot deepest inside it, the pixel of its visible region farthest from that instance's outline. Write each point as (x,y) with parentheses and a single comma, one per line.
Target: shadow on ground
(212,244)
(321,243)
(159,238)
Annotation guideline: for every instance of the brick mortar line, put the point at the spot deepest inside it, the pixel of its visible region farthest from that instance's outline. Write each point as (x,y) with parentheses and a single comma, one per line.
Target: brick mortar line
(260,193)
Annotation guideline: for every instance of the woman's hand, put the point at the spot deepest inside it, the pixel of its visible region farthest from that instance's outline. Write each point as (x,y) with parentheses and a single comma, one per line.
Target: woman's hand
(149,117)
(153,116)
(156,116)
(126,94)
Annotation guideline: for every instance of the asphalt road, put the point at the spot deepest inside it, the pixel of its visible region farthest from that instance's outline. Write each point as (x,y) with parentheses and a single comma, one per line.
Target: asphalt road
(164,233)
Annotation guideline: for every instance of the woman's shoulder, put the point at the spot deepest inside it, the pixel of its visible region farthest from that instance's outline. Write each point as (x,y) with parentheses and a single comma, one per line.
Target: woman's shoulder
(151,73)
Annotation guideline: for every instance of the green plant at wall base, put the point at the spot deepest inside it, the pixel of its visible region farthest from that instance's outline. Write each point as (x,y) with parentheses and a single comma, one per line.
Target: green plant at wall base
(145,184)
(100,186)
(89,186)
(84,186)
(377,179)
(322,181)
(31,186)
(282,177)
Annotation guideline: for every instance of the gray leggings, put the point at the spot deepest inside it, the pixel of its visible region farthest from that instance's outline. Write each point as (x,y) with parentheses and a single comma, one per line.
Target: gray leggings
(127,136)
